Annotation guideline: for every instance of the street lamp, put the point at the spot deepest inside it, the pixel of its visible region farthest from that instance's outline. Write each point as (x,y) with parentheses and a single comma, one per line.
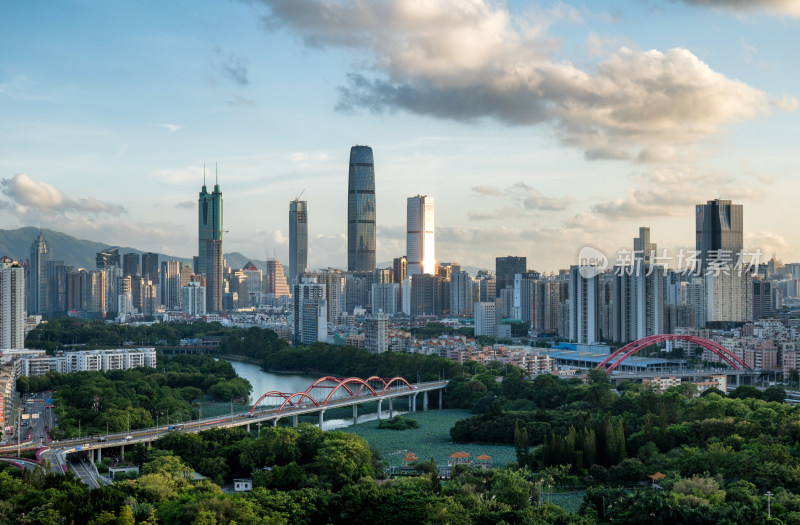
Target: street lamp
(769,495)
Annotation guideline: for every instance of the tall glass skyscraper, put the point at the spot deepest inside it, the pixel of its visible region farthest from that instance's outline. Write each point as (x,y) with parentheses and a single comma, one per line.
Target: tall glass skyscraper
(37,295)
(420,246)
(209,260)
(298,239)
(361,211)
(209,222)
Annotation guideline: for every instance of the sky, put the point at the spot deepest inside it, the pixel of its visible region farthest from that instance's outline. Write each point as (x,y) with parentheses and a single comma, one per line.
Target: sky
(538,127)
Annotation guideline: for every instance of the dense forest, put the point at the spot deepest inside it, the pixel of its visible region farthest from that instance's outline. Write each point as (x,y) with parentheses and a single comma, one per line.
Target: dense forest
(712,457)
(95,402)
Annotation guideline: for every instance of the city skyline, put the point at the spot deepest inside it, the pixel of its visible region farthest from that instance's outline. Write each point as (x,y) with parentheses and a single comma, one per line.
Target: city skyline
(108,147)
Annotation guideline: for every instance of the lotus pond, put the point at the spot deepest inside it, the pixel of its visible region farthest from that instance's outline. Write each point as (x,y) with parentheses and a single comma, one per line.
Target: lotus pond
(431,439)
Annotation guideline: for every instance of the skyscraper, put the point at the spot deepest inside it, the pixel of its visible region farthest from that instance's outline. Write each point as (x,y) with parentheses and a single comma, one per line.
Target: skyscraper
(130,265)
(107,258)
(420,245)
(209,223)
(214,284)
(584,305)
(150,267)
(719,243)
(12,304)
(505,270)
(171,284)
(298,239)
(275,280)
(361,210)
(38,296)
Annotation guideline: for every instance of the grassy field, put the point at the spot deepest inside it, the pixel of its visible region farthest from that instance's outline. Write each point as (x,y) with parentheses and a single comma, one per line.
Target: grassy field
(431,439)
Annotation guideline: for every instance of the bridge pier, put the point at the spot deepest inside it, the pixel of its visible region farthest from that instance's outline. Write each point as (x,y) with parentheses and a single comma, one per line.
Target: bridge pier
(275,422)
(355,414)
(294,420)
(248,428)
(321,418)
(122,452)
(425,401)
(440,398)
(391,407)
(380,401)
(99,454)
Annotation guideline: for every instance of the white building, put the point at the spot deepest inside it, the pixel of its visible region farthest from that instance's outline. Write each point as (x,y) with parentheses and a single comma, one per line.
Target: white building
(584,304)
(193,299)
(420,246)
(485,319)
(86,361)
(12,304)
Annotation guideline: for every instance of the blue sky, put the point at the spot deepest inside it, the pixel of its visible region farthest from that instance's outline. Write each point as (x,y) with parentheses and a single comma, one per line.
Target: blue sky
(538,127)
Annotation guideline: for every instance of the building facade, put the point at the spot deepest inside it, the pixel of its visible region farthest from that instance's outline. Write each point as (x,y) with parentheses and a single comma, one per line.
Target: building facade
(298,239)
(361,210)
(38,296)
(12,304)
(420,240)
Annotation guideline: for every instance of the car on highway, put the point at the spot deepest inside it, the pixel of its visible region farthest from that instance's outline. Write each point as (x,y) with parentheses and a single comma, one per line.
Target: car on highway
(128,438)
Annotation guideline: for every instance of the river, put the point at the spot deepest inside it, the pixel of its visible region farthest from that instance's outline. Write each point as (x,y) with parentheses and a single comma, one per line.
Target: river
(264,382)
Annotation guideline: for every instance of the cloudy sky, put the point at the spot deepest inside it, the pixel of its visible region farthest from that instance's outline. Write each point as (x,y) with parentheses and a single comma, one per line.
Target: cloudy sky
(539,127)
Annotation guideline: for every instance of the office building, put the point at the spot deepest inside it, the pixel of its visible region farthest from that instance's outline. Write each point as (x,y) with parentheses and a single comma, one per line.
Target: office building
(57,287)
(12,304)
(209,224)
(399,269)
(124,296)
(487,287)
(298,239)
(254,285)
(275,279)
(505,270)
(37,280)
(150,267)
(193,298)
(214,279)
(106,258)
(131,265)
(526,298)
(762,299)
(420,243)
(361,210)
(719,243)
(376,331)
(171,285)
(584,305)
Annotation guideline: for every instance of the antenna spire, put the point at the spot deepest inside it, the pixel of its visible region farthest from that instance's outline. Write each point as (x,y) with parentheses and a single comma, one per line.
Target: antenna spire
(204,174)
(216,169)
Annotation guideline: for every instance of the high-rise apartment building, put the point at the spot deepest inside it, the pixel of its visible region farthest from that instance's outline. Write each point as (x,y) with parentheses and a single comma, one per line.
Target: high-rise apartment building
(505,270)
(12,304)
(361,210)
(310,312)
(209,224)
(584,305)
(254,285)
(193,298)
(461,293)
(298,239)
(376,331)
(420,242)
(485,319)
(526,297)
(385,298)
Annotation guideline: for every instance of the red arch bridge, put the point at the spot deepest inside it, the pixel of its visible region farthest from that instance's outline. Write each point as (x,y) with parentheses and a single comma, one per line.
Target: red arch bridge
(616,358)
(336,392)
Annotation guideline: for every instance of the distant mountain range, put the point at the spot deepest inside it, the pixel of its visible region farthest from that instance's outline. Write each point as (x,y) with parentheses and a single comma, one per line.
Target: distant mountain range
(81,253)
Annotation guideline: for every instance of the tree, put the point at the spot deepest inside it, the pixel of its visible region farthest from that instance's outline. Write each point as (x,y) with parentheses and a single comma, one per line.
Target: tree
(521,444)
(511,487)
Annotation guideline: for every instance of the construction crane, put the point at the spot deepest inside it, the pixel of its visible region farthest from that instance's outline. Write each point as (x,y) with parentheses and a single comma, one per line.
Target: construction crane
(296,199)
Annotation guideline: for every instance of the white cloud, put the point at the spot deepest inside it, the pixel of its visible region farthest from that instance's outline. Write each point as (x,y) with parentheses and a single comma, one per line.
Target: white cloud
(778,7)
(172,128)
(44,197)
(469,60)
